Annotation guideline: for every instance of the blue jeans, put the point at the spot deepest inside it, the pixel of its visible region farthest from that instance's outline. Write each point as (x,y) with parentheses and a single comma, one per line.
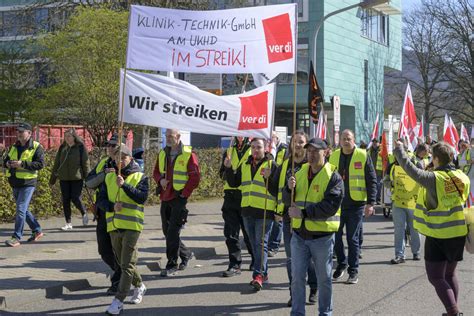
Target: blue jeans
(312,280)
(275,236)
(379,188)
(401,218)
(320,250)
(254,228)
(22,198)
(351,218)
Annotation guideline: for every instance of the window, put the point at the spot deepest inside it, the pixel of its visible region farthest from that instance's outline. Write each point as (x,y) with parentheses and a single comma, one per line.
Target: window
(374,26)
(302,67)
(366,90)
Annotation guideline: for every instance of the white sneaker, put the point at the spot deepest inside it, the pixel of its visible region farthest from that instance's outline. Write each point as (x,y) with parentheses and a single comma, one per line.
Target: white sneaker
(68,226)
(138,293)
(85,219)
(115,308)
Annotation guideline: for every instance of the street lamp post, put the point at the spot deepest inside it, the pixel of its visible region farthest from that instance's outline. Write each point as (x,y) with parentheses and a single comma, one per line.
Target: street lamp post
(380,5)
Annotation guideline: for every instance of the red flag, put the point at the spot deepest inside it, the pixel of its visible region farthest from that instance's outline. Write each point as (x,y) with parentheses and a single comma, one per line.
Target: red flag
(321,127)
(408,120)
(420,129)
(315,97)
(464,134)
(384,153)
(451,135)
(375,131)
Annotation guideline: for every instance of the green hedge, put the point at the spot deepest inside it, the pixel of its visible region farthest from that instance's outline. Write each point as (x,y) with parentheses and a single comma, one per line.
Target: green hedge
(47,200)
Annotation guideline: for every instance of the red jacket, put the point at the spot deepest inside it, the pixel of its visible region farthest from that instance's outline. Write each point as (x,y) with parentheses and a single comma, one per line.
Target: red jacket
(192,183)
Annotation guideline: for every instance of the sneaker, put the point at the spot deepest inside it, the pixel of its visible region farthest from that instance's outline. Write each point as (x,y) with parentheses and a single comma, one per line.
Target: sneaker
(115,308)
(231,272)
(272,252)
(12,242)
(35,236)
(339,273)
(265,279)
(138,293)
(416,257)
(85,219)
(112,290)
(397,260)
(169,272)
(184,263)
(68,226)
(257,282)
(353,278)
(312,296)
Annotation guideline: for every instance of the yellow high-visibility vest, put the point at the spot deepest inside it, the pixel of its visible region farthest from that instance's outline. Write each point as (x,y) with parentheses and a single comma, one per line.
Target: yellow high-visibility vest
(447,219)
(132,215)
(405,189)
(180,167)
(253,190)
(280,156)
(236,163)
(357,186)
(26,155)
(308,193)
(281,185)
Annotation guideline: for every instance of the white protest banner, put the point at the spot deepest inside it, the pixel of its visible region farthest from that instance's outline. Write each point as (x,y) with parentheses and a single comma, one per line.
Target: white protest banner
(246,40)
(161,101)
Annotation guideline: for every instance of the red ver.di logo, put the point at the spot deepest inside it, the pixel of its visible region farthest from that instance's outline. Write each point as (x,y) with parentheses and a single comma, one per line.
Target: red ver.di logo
(254,111)
(278,38)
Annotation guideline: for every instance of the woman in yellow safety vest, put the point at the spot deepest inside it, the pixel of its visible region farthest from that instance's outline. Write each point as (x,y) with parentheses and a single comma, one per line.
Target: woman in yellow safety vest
(439,216)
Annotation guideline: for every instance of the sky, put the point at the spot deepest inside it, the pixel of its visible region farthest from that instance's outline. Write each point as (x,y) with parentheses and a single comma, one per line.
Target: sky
(407,5)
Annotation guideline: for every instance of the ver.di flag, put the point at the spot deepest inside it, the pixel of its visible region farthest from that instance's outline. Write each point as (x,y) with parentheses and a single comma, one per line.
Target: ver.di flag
(408,120)
(258,39)
(156,100)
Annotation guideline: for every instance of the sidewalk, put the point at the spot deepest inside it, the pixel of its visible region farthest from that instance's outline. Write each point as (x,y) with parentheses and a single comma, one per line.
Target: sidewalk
(63,274)
(70,261)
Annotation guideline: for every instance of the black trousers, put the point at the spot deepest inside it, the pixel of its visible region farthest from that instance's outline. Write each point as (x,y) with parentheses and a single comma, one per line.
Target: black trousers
(71,192)
(173,217)
(233,223)
(105,247)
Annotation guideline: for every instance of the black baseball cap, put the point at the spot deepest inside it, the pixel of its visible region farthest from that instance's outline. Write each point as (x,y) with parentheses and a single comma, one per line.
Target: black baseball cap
(317,143)
(24,127)
(114,140)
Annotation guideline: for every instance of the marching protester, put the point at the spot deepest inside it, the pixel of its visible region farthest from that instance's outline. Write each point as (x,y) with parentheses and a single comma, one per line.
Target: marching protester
(422,155)
(404,193)
(376,158)
(94,180)
(298,140)
(176,174)
(279,150)
(23,161)
(360,187)
(238,153)
(258,204)
(464,159)
(71,166)
(439,216)
(122,196)
(315,214)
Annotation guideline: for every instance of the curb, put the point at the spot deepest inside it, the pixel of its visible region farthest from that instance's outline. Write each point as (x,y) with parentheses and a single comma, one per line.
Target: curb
(55,291)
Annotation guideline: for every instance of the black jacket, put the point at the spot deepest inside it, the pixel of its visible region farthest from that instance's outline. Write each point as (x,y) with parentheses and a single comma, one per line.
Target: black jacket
(235,179)
(36,164)
(139,193)
(323,209)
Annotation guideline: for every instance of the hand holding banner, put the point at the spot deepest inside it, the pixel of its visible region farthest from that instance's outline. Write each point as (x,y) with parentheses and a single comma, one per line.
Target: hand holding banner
(161,101)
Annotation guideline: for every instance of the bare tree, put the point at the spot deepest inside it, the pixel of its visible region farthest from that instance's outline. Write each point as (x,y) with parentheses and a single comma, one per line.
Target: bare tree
(454,18)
